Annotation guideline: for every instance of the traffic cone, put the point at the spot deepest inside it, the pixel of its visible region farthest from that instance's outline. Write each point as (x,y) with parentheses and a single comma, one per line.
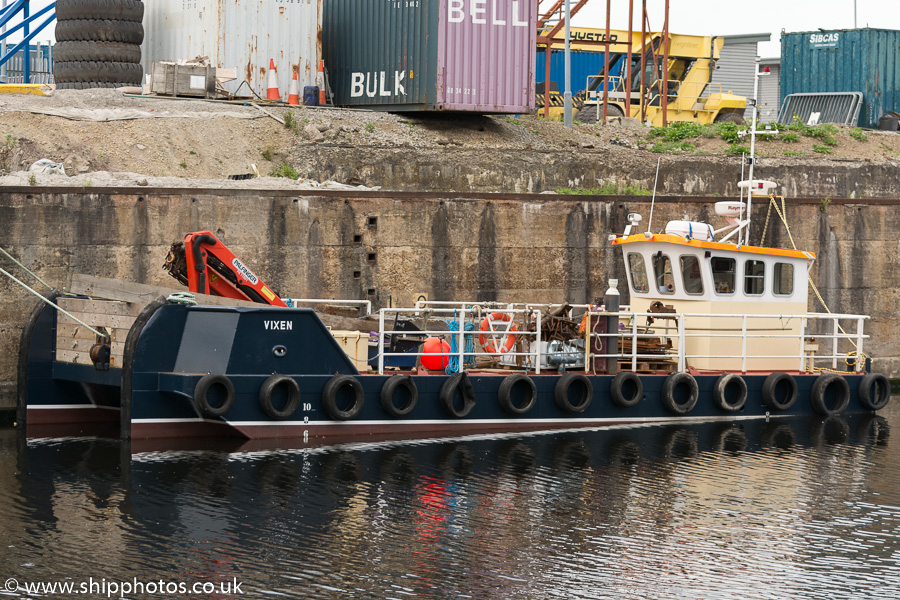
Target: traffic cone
(320,81)
(294,92)
(273,93)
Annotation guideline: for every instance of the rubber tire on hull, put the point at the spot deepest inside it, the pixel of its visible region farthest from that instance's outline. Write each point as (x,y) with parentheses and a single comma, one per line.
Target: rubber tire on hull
(817,394)
(770,387)
(112,72)
(390,388)
(103,51)
(588,114)
(121,10)
(504,394)
(618,386)
(201,392)
(561,392)
(448,391)
(99,30)
(874,391)
(667,393)
(265,396)
(87,85)
(730,117)
(720,388)
(329,397)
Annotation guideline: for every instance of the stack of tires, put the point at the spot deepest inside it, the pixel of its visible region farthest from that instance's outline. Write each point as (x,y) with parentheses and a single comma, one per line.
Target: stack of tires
(98,44)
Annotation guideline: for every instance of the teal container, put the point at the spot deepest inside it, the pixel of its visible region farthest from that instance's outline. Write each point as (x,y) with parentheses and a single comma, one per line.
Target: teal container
(848,60)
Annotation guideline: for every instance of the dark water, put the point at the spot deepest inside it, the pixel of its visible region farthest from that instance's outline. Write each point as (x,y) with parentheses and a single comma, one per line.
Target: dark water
(796,509)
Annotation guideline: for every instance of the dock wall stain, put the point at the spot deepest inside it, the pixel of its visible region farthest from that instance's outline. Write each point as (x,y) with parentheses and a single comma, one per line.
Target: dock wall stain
(389,247)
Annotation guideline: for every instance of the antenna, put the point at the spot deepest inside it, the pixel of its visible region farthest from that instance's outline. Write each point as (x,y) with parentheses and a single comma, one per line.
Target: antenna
(746,238)
(653,200)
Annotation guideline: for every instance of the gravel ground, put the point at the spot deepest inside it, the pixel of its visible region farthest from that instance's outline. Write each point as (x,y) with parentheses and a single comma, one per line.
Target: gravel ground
(196,143)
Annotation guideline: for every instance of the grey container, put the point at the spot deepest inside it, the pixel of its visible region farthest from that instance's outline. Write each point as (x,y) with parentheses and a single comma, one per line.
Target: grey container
(431,55)
(855,60)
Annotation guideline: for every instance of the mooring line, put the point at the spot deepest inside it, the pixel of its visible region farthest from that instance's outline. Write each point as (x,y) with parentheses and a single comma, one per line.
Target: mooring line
(59,308)
(24,268)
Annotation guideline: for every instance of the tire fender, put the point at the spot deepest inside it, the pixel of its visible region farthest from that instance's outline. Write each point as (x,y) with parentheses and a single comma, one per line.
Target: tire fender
(770,391)
(623,382)
(265,396)
(561,392)
(201,393)
(504,394)
(721,387)
(329,397)
(390,388)
(874,391)
(820,387)
(667,393)
(448,391)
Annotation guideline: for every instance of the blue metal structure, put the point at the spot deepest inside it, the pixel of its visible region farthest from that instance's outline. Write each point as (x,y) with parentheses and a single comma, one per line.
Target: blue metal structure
(24,6)
(584,64)
(855,60)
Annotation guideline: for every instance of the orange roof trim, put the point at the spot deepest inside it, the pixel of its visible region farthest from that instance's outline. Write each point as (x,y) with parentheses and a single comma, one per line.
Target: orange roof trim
(680,241)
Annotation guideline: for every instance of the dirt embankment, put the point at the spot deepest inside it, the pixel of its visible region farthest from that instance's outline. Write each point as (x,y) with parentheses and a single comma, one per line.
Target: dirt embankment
(188,143)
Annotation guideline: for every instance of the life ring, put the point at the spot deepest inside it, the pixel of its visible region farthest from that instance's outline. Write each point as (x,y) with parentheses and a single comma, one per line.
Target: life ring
(779,391)
(505,394)
(720,392)
(389,389)
(626,389)
(840,388)
(874,391)
(507,338)
(265,396)
(667,393)
(201,395)
(330,392)
(448,392)
(561,392)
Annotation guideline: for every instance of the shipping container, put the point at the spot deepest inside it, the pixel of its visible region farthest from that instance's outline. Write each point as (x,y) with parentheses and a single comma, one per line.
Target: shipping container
(855,60)
(583,64)
(432,55)
(238,34)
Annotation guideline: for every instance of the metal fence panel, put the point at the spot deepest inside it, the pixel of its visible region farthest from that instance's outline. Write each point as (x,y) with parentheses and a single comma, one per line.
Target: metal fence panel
(833,107)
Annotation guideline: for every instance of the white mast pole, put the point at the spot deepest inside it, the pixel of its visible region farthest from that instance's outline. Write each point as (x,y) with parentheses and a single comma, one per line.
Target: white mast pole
(746,238)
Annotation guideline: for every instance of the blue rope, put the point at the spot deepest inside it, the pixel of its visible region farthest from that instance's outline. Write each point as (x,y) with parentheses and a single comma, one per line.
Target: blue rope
(453,362)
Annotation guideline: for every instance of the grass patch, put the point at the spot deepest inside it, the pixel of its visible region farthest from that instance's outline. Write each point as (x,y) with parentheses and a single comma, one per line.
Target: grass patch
(608,189)
(676,132)
(267,154)
(183,164)
(32,180)
(792,153)
(662,147)
(790,138)
(738,149)
(821,149)
(285,170)
(370,127)
(857,134)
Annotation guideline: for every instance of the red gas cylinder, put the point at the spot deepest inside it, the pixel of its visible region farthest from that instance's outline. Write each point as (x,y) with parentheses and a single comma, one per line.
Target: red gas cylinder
(434,345)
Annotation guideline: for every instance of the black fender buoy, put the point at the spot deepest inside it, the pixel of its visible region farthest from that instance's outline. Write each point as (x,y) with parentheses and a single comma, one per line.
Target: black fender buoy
(626,389)
(461,382)
(672,383)
(779,391)
(820,387)
(874,391)
(730,392)
(293,396)
(408,400)
(582,384)
(504,394)
(201,395)
(330,393)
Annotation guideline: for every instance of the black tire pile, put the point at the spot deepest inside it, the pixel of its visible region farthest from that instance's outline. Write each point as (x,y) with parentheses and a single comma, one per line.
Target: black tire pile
(98,44)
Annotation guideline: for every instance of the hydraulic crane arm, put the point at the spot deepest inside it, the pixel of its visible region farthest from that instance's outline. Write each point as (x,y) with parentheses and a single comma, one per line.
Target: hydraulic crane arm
(207,266)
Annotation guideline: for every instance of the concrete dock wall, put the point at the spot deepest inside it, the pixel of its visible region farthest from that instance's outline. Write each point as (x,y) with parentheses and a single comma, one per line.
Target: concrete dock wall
(391,247)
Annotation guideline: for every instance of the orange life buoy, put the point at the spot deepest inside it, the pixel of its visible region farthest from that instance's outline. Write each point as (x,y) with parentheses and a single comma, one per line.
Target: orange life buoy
(497,341)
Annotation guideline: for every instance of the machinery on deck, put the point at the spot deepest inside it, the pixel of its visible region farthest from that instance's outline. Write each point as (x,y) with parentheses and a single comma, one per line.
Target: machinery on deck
(206,266)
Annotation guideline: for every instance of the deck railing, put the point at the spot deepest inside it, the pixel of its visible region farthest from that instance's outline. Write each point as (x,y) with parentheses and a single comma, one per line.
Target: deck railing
(845,332)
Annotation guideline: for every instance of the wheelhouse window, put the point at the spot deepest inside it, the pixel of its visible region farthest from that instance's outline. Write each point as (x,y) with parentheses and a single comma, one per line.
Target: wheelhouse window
(784,279)
(690,274)
(662,271)
(638,272)
(723,274)
(754,277)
